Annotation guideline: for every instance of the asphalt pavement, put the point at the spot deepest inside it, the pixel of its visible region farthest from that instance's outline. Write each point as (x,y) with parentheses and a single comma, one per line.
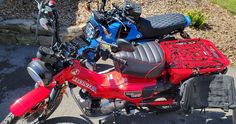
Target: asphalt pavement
(14,82)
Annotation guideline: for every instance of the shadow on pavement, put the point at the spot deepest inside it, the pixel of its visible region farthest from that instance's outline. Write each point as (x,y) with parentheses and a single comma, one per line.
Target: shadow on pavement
(66,119)
(14,79)
(178,117)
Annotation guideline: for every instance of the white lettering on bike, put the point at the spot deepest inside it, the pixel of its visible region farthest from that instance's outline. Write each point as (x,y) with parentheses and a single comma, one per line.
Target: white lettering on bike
(85,84)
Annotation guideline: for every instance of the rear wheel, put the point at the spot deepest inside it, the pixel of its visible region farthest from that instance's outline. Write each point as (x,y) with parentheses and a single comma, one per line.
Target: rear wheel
(39,113)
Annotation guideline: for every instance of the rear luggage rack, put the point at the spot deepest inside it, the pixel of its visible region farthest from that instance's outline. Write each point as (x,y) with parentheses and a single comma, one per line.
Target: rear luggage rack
(193,54)
(188,57)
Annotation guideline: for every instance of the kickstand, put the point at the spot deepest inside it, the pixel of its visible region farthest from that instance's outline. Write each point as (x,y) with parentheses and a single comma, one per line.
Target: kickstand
(115,117)
(115,114)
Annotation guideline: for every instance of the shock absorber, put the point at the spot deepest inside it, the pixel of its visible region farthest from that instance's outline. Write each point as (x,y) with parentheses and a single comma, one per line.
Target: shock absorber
(54,94)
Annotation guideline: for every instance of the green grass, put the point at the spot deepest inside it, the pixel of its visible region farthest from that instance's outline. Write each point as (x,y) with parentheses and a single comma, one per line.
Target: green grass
(227,4)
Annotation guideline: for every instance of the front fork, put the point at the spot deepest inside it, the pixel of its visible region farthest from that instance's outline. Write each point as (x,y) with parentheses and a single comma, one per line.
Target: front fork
(54,94)
(52,99)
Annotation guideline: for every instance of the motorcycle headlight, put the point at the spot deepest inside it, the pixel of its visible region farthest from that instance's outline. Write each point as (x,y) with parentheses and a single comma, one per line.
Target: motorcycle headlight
(91,31)
(40,72)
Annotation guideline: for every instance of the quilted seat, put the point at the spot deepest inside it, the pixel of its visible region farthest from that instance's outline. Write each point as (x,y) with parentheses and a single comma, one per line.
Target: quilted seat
(146,61)
(161,25)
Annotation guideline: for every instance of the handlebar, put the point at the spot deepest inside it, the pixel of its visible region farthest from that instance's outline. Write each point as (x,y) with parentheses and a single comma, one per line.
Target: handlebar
(121,13)
(68,51)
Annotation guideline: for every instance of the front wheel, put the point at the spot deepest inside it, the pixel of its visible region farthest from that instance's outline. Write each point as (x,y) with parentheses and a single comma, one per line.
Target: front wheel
(39,113)
(10,119)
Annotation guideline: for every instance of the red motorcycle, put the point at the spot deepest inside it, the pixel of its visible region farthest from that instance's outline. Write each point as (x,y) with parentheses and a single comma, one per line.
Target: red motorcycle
(156,76)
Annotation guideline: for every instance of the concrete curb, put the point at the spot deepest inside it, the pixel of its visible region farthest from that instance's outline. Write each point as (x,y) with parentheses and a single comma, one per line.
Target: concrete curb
(22,31)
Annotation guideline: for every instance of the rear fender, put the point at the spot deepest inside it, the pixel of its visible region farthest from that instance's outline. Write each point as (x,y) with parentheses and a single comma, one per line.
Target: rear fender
(24,104)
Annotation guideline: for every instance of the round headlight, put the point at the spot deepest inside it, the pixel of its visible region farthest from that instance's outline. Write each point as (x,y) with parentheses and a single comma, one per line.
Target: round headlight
(40,72)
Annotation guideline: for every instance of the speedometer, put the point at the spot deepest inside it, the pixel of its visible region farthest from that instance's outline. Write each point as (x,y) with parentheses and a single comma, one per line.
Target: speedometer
(91,31)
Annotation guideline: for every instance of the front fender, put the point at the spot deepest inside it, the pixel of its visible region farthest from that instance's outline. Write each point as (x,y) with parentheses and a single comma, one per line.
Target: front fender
(24,104)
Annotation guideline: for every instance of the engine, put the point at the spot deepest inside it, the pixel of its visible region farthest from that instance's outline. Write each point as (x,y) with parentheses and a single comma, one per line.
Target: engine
(108,106)
(100,106)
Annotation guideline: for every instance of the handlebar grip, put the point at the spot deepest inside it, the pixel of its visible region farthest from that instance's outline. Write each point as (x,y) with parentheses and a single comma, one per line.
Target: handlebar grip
(121,61)
(106,54)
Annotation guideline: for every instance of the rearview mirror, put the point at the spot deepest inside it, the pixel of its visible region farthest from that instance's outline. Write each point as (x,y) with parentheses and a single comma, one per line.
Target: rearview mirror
(125,45)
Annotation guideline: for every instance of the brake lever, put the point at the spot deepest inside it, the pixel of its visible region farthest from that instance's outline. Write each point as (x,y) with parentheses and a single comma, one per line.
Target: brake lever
(117,19)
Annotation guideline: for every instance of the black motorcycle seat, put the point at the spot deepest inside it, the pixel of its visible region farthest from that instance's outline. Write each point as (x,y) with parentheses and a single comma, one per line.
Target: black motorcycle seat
(146,61)
(160,25)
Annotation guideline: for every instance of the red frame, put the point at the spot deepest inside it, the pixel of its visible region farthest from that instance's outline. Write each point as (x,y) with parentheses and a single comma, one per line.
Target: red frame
(106,87)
